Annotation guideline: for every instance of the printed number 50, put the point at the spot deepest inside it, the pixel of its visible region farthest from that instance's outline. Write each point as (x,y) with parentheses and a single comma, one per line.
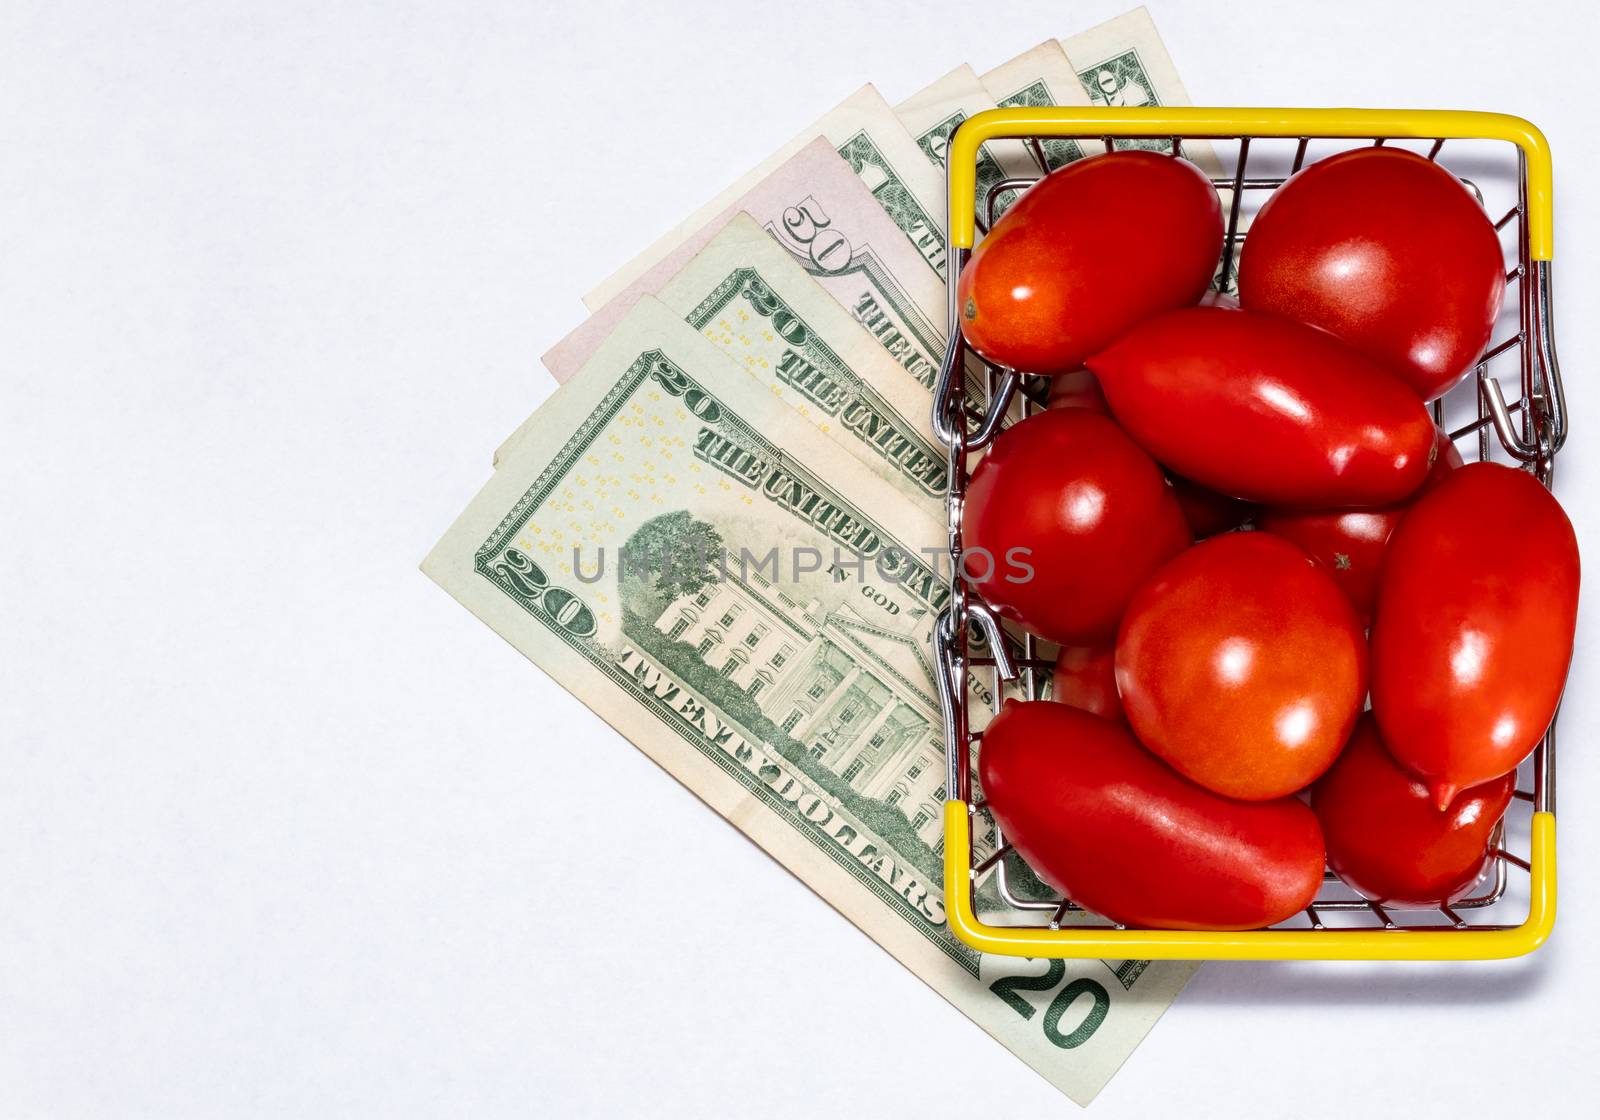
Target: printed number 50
(809,225)
(1010,989)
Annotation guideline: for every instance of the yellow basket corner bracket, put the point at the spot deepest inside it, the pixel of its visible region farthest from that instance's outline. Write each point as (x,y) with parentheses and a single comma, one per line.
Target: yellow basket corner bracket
(1418,124)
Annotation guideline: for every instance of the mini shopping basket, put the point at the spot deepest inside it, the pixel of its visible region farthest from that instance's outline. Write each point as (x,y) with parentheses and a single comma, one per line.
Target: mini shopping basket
(969,641)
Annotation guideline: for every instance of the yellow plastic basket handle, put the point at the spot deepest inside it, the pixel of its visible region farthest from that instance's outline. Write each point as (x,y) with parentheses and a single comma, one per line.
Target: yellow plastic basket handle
(1417,124)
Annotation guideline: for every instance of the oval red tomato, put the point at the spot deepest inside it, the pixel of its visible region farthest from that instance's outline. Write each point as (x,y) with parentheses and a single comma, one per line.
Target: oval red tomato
(1085,253)
(1064,517)
(1118,832)
(1266,410)
(1385,836)
(1242,665)
(1085,678)
(1350,543)
(1389,252)
(1477,604)
(1207,512)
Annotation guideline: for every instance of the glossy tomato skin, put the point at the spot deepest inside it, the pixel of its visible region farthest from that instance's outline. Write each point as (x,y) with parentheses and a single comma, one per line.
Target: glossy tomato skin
(1389,252)
(1266,410)
(1207,512)
(1350,543)
(1085,678)
(1084,254)
(1385,836)
(1119,832)
(1243,665)
(1064,517)
(1472,637)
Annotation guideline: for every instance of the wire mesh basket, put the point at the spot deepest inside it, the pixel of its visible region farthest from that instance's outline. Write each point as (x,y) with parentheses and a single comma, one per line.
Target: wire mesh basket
(1511,408)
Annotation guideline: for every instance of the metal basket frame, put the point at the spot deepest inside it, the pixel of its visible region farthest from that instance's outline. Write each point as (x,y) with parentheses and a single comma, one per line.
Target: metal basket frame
(969,640)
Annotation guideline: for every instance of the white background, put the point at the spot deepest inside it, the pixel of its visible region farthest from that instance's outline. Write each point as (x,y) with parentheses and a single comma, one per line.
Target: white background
(285,832)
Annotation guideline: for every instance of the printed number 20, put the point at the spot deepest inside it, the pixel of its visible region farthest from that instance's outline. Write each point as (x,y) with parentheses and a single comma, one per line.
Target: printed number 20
(1008,988)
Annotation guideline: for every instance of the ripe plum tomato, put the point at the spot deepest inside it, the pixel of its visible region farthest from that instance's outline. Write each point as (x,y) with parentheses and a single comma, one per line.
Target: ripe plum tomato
(1243,665)
(1472,637)
(1207,512)
(1086,678)
(1266,410)
(1119,832)
(1389,252)
(1064,517)
(1385,836)
(1085,253)
(1350,543)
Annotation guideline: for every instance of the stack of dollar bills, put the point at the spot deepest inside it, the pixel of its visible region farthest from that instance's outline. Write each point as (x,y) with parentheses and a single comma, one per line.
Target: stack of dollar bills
(722,533)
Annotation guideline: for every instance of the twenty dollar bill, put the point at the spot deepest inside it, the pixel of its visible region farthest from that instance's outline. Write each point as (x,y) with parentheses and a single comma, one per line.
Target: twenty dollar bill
(729,589)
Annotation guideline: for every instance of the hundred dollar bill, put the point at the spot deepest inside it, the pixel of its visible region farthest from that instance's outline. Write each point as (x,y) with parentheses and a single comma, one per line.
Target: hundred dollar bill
(864,131)
(1123,63)
(933,114)
(750,298)
(822,214)
(768,644)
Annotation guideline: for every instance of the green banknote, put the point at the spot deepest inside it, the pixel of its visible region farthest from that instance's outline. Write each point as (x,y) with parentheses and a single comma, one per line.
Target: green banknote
(732,590)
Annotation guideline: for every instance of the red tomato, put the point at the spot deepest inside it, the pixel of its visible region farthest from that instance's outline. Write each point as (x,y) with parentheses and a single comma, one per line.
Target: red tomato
(1385,836)
(1063,519)
(1243,665)
(1267,410)
(1078,389)
(1085,677)
(1477,603)
(1084,254)
(1350,543)
(1208,512)
(1389,252)
(1121,834)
